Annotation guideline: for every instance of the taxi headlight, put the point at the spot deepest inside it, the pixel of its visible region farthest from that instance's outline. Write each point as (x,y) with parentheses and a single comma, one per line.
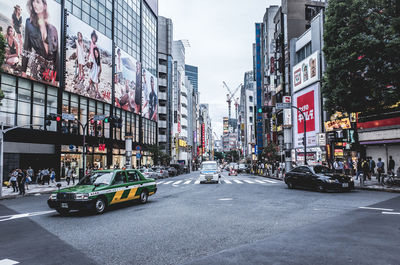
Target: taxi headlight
(81,196)
(53,196)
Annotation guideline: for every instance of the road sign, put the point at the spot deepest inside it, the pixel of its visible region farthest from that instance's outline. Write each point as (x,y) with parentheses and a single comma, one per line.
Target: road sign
(68,117)
(99,117)
(71,147)
(138,155)
(283,106)
(138,147)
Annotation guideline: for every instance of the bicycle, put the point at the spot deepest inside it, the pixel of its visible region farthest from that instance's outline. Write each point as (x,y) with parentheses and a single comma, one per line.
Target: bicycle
(391,180)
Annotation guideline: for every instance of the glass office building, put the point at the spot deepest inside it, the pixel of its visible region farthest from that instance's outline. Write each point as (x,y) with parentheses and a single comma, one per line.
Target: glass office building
(95,60)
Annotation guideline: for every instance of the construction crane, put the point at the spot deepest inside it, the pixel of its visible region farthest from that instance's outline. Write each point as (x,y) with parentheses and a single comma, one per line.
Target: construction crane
(229,98)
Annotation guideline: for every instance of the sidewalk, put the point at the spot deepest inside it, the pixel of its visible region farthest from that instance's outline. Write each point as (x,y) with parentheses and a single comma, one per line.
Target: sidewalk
(34,189)
(372,184)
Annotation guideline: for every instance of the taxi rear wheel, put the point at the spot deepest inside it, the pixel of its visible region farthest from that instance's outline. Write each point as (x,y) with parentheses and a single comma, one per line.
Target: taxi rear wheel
(100,205)
(143,196)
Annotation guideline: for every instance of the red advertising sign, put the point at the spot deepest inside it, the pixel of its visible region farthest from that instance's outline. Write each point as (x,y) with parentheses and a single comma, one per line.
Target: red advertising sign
(306,104)
(203,136)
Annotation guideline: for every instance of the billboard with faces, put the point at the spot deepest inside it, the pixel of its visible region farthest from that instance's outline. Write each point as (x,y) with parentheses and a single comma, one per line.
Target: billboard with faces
(306,72)
(308,100)
(127,82)
(32,31)
(149,96)
(88,61)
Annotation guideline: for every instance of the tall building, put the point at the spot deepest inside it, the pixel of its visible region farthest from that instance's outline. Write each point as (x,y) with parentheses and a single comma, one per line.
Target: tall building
(192,72)
(206,147)
(60,82)
(247,110)
(165,89)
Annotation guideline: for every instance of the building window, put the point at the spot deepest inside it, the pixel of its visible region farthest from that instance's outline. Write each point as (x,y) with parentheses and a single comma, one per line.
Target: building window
(9,102)
(251,98)
(251,109)
(24,102)
(39,92)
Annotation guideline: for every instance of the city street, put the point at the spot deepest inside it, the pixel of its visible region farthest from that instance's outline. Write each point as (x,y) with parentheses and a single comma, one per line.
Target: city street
(243,220)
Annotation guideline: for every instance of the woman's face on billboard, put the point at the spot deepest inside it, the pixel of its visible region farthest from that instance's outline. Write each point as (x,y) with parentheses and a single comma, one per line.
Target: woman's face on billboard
(38,6)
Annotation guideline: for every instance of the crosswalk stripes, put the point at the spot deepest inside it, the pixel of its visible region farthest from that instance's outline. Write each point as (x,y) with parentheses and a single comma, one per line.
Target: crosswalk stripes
(8,262)
(259,181)
(177,182)
(270,181)
(168,182)
(237,181)
(161,182)
(188,181)
(197,182)
(248,181)
(227,181)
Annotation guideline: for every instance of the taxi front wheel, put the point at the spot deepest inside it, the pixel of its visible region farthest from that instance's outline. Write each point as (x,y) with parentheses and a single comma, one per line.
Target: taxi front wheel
(100,205)
(143,196)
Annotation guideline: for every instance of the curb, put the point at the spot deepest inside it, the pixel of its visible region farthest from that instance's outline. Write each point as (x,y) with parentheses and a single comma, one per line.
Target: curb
(376,189)
(10,197)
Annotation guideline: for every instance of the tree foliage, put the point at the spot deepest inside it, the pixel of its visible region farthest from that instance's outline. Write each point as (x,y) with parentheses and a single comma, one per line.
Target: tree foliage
(362,51)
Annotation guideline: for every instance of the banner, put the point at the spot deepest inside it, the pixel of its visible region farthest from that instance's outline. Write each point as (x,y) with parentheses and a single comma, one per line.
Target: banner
(308,101)
(306,72)
(128,82)
(27,53)
(88,61)
(149,96)
(337,124)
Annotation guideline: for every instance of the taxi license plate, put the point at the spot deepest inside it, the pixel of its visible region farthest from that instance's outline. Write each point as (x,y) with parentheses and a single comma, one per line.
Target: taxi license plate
(64,205)
(345,185)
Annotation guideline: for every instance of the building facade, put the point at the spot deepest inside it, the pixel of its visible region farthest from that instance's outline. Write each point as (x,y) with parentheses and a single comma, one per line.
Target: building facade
(102,61)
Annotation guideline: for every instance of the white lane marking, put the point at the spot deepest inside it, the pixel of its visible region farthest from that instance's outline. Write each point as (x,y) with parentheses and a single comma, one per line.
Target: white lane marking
(378,209)
(259,181)
(227,181)
(178,182)
(248,181)
(270,181)
(225,199)
(23,215)
(168,182)
(8,262)
(393,213)
(161,182)
(188,181)
(197,182)
(237,181)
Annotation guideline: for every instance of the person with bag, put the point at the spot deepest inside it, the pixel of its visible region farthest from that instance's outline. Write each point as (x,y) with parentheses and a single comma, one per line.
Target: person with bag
(380,169)
(69,175)
(13,180)
(21,179)
(52,175)
(365,169)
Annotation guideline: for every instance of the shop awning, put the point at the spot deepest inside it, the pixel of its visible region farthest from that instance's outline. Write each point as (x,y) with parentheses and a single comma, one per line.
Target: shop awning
(390,141)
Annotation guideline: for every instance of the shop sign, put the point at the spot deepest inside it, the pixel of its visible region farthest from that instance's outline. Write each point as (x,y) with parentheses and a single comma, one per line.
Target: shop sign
(321,139)
(339,152)
(308,101)
(287,117)
(182,143)
(337,124)
(306,72)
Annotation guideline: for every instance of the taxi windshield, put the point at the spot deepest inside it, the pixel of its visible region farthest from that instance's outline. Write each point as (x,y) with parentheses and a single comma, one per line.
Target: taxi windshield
(97,178)
(209,167)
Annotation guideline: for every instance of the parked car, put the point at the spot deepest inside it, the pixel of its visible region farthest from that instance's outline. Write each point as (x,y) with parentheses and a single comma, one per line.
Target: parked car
(172,171)
(148,173)
(162,173)
(318,177)
(242,168)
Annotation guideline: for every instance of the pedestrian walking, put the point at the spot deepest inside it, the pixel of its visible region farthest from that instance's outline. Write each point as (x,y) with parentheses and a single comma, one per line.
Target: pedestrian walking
(391,165)
(69,175)
(21,179)
(380,169)
(13,180)
(359,168)
(52,175)
(365,169)
(73,175)
(372,166)
(28,180)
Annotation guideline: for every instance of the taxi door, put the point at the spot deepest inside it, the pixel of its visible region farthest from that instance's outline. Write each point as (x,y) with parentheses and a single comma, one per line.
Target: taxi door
(135,184)
(121,188)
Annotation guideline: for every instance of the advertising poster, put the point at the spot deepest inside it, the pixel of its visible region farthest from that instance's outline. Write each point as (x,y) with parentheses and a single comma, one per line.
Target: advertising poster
(32,51)
(128,82)
(306,72)
(149,96)
(308,101)
(88,61)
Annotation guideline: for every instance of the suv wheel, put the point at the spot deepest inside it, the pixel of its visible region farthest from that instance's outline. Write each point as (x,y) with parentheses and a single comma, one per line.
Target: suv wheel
(143,196)
(100,205)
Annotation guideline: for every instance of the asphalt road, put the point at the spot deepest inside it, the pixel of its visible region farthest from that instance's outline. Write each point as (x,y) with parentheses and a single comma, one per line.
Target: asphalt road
(243,220)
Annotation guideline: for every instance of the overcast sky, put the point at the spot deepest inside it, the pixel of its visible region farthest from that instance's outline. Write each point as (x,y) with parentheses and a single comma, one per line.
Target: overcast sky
(221,34)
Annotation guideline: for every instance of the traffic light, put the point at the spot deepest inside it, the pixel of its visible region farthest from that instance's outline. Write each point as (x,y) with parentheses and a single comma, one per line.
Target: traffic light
(114,121)
(52,117)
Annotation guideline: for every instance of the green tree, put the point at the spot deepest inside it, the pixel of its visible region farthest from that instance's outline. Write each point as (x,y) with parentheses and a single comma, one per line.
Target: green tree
(362,51)
(218,155)
(3,44)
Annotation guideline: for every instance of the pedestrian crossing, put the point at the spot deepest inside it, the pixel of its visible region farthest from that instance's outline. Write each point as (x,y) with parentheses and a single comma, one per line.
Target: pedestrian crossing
(230,181)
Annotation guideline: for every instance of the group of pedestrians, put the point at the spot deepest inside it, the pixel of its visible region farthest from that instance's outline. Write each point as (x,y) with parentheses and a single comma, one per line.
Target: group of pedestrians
(368,167)
(20,179)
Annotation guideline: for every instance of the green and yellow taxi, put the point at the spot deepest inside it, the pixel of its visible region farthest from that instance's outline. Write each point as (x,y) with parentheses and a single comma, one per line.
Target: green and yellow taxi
(101,189)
